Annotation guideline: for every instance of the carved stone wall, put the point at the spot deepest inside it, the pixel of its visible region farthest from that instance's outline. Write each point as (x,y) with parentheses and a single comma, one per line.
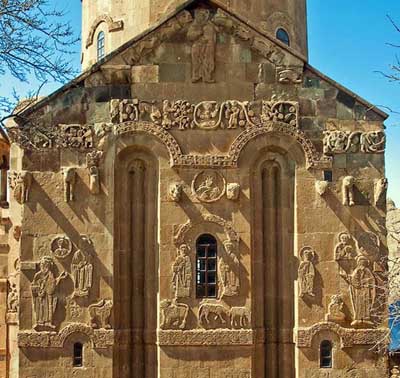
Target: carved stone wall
(201,204)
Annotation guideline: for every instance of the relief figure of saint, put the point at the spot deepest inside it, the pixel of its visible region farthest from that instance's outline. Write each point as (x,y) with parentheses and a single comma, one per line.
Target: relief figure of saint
(203,34)
(182,273)
(229,271)
(362,290)
(306,273)
(82,274)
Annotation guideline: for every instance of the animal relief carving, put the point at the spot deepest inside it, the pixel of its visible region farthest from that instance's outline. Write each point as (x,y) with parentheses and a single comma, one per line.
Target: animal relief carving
(182,273)
(100,314)
(218,311)
(208,186)
(290,75)
(348,191)
(175,192)
(43,287)
(173,314)
(306,274)
(239,317)
(69,175)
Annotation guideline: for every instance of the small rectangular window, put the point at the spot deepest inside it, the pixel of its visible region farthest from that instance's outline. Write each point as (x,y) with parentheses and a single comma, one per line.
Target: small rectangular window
(206,267)
(78,355)
(328,176)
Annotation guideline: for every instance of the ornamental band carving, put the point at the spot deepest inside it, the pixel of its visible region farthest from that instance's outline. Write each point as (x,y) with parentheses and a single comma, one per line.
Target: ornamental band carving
(348,337)
(340,142)
(100,339)
(219,337)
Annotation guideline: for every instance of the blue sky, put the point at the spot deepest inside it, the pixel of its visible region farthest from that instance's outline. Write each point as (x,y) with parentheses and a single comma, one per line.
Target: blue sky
(348,41)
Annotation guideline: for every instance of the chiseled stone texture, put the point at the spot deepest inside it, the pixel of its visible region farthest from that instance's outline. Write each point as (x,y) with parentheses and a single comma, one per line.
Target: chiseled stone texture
(203,135)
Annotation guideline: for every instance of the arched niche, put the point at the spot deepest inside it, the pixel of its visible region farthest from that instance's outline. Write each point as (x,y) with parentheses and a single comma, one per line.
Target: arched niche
(135,259)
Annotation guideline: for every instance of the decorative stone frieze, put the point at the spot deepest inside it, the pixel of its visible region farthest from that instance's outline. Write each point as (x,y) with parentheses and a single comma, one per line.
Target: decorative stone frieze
(340,142)
(100,339)
(218,337)
(349,337)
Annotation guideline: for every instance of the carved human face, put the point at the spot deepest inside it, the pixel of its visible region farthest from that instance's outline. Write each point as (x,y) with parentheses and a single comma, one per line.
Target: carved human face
(201,15)
(362,262)
(344,238)
(175,192)
(308,255)
(44,266)
(184,250)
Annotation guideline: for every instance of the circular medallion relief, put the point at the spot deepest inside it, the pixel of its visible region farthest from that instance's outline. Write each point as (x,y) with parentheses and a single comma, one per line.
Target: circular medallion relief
(61,247)
(208,186)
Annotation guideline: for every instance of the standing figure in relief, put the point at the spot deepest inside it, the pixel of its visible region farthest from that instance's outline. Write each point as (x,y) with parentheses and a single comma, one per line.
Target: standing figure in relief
(182,273)
(306,272)
(229,271)
(43,288)
(82,274)
(203,34)
(344,249)
(362,290)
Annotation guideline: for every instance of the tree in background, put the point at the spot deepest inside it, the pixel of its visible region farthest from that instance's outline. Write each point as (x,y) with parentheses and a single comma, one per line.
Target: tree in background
(35,42)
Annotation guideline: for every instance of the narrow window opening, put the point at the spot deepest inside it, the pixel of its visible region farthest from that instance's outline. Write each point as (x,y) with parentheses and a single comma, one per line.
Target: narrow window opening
(326,355)
(78,355)
(101,50)
(328,176)
(206,267)
(283,36)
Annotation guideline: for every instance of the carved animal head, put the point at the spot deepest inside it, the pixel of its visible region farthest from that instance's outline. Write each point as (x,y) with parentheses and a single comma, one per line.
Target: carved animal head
(175,192)
(233,191)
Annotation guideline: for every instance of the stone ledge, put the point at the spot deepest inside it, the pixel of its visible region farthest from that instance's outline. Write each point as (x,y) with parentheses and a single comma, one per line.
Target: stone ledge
(349,337)
(217,337)
(100,338)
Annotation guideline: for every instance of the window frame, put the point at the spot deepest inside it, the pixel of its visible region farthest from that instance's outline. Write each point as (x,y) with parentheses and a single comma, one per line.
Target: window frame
(101,45)
(206,289)
(326,354)
(285,41)
(77,359)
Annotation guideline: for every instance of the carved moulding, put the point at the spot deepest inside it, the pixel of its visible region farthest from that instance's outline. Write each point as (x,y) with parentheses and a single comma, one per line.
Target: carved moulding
(183,229)
(348,337)
(340,142)
(100,339)
(111,24)
(219,337)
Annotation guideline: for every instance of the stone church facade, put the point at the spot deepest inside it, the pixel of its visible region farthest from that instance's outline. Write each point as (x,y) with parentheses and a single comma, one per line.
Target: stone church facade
(199,203)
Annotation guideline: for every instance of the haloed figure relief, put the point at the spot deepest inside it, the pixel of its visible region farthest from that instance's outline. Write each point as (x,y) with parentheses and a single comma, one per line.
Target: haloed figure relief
(203,34)
(306,273)
(228,267)
(82,274)
(362,286)
(43,292)
(182,273)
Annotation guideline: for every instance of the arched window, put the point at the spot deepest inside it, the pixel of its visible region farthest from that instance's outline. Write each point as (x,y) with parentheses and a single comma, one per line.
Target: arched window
(206,266)
(101,49)
(78,355)
(283,36)
(325,351)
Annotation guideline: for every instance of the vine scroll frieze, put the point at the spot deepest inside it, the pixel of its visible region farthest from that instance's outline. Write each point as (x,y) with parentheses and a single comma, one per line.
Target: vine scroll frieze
(247,120)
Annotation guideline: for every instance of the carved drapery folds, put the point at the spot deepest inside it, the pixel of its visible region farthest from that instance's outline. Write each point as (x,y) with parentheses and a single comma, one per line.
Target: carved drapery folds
(307,272)
(182,273)
(43,288)
(340,142)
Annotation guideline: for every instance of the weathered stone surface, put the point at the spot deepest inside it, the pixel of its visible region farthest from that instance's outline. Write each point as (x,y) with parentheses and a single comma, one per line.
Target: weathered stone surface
(202,143)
